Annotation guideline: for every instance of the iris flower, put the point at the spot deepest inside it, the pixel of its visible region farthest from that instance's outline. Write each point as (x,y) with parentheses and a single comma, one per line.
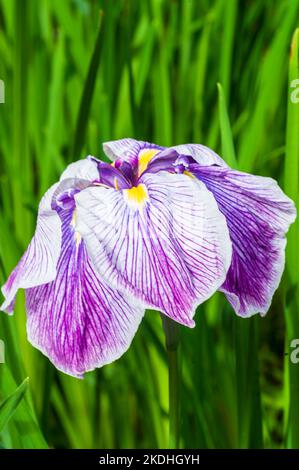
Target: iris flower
(160,228)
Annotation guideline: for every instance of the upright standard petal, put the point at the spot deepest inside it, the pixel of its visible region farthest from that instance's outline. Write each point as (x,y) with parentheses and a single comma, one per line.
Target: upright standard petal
(78,320)
(126,149)
(85,169)
(258,215)
(165,241)
(201,154)
(38,264)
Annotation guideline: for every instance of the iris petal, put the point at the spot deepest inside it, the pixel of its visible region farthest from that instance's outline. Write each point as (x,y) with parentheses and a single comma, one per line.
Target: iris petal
(258,215)
(77,320)
(170,247)
(85,169)
(202,155)
(127,149)
(121,148)
(38,264)
(110,176)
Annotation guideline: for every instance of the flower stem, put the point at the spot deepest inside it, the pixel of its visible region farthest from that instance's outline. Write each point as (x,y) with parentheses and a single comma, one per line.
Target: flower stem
(172,336)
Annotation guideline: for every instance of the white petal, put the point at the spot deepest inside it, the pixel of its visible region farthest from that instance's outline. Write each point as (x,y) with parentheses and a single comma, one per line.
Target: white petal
(168,244)
(201,154)
(78,320)
(258,215)
(85,169)
(38,264)
(121,148)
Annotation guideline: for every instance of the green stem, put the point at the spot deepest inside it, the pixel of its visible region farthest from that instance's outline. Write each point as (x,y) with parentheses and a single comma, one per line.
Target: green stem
(172,336)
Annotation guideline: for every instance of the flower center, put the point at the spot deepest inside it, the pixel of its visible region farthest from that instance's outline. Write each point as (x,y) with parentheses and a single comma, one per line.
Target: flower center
(78,237)
(136,196)
(144,158)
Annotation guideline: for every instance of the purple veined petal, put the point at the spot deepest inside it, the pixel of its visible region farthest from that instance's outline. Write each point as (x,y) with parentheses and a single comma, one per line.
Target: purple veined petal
(202,155)
(134,152)
(163,161)
(126,169)
(122,148)
(165,241)
(85,169)
(63,196)
(126,149)
(78,321)
(131,156)
(38,263)
(112,177)
(258,215)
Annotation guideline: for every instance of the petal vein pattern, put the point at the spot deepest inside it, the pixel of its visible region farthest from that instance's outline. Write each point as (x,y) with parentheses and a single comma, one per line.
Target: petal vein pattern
(85,169)
(172,251)
(203,155)
(77,320)
(38,263)
(127,149)
(258,215)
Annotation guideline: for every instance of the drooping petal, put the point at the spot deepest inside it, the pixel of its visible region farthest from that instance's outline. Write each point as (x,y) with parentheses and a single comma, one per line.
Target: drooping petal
(38,264)
(258,215)
(85,169)
(165,241)
(65,191)
(202,155)
(78,320)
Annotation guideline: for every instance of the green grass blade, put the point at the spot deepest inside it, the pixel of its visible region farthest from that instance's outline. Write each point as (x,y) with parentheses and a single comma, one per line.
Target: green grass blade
(270,83)
(87,95)
(228,149)
(291,167)
(50,166)
(229,16)
(246,346)
(201,70)
(23,425)
(9,406)
(291,184)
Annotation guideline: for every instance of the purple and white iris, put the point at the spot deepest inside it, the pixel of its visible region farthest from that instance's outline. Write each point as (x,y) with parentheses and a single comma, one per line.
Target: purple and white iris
(160,228)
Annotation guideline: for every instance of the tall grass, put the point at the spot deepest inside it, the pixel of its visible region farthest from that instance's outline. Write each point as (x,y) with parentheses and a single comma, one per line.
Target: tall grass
(80,72)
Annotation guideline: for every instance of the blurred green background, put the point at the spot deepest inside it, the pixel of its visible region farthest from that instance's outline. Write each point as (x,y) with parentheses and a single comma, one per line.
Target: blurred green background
(79,72)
